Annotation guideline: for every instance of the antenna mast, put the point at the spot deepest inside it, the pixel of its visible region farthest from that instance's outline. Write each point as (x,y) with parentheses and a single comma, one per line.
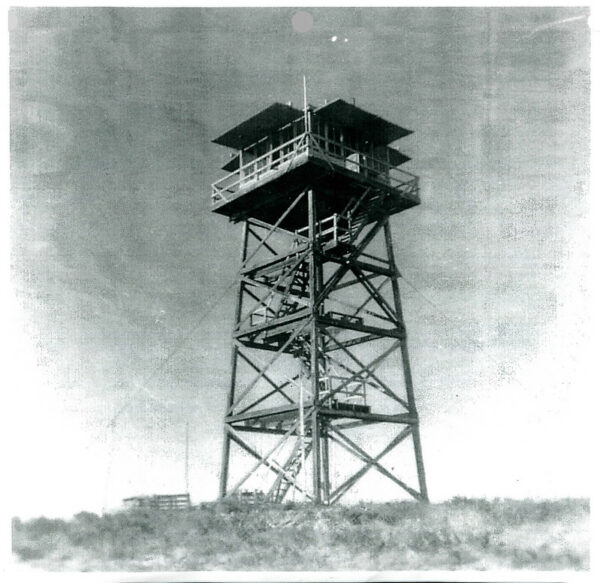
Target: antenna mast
(187,457)
(306,113)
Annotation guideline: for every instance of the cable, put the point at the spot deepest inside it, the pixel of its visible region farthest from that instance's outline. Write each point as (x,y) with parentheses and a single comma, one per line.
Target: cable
(174,350)
(439,308)
(112,424)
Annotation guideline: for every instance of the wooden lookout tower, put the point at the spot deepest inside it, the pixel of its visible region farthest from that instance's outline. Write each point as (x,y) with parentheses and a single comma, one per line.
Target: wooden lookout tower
(319,355)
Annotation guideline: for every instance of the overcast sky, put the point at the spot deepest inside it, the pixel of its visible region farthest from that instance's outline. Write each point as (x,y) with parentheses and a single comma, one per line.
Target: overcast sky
(116,255)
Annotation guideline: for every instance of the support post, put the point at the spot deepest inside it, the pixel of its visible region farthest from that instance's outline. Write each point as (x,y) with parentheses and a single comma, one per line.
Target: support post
(326,479)
(410,395)
(314,347)
(234,359)
(187,457)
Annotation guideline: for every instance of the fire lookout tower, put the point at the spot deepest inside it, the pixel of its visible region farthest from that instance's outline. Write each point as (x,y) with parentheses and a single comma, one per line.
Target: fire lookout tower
(318,313)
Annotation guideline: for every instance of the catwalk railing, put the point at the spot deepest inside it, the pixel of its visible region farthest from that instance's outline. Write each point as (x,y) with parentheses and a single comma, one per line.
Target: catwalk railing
(309,144)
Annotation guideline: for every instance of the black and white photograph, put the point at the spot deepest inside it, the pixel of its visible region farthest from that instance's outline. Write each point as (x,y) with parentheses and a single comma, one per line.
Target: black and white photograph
(299,293)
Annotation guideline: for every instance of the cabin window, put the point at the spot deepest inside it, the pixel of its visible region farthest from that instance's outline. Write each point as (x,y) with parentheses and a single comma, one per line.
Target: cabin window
(285,135)
(261,149)
(351,140)
(335,141)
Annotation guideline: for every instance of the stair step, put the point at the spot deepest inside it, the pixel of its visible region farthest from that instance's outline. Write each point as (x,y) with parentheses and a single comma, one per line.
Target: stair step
(293,467)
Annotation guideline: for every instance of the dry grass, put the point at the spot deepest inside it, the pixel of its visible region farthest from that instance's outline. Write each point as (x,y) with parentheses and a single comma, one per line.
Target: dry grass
(460,534)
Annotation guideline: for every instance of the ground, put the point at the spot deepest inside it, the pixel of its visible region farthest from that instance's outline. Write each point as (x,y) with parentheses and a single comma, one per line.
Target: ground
(459,534)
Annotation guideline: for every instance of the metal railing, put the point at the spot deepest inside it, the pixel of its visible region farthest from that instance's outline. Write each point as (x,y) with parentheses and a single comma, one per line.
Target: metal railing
(318,146)
(371,167)
(330,229)
(252,172)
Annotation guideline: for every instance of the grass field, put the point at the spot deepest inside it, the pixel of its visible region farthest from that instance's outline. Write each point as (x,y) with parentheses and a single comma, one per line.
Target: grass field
(460,534)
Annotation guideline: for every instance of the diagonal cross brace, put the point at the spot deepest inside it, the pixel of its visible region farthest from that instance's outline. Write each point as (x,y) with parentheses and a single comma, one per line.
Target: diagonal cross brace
(274,227)
(264,460)
(363,306)
(272,289)
(343,269)
(276,387)
(374,293)
(370,369)
(350,370)
(347,484)
(258,238)
(269,364)
(323,153)
(361,453)
(358,375)
(290,380)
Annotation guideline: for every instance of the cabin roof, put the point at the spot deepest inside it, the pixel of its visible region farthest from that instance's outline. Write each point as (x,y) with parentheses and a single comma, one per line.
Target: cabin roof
(338,112)
(258,126)
(396,158)
(372,127)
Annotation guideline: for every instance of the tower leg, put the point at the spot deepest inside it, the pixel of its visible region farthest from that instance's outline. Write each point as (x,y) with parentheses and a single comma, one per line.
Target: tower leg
(234,358)
(224,466)
(410,395)
(325,457)
(314,349)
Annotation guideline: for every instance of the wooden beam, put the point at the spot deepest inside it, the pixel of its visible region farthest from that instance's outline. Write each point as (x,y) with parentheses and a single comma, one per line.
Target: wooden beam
(262,460)
(313,279)
(274,227)
(274,263)
(269,248)
(368,267)
(252,429)
(268,226)
(353,342)
(342,269)
(275,386)
(299,315)
(374,462)
(357,327)
(282,410)
(369,298)
(404,418)
(354,282)
(347,484)
(374,293)
(223,479)
(384,387)
(269,364)
(358,375)
(406,365)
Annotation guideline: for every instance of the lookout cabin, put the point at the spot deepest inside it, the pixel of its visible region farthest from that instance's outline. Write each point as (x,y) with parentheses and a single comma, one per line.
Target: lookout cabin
(337,148)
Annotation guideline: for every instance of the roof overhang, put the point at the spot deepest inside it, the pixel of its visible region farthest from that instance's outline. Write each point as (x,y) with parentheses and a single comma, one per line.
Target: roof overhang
(374,128)
(339,113)
(232,165)
(258,126)
(391,155)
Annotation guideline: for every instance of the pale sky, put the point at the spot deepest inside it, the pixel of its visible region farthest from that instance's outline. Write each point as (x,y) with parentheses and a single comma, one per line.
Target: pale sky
(116,255)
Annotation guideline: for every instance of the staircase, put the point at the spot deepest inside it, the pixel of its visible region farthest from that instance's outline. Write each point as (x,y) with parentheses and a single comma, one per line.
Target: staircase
(364,211)
(291,282)
(297,286)
(292,468)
